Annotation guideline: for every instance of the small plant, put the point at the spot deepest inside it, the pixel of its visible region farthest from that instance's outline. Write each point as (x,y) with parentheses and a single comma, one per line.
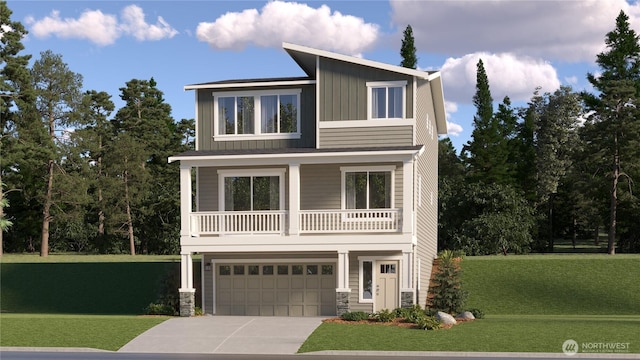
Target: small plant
(198,311)
(159,309)
(477,313)
(428,323)
(355,316)
(384,315)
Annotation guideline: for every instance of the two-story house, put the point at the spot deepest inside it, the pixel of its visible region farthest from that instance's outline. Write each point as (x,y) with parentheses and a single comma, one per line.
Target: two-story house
(314,195)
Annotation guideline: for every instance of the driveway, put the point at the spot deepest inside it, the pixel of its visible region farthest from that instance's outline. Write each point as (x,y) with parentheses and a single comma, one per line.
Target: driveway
(226,335)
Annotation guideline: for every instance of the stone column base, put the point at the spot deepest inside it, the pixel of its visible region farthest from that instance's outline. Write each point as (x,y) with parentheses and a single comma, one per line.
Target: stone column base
(342,302)
(406,299)
(187,302)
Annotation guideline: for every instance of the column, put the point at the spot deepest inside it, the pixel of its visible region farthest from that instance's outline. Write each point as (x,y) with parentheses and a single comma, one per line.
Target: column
(343,291)
(407,292)
(294,199)
(185,200)
(187,292)
(407,197)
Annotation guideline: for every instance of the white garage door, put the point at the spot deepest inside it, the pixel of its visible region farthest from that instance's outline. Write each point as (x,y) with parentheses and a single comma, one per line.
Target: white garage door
(276,289)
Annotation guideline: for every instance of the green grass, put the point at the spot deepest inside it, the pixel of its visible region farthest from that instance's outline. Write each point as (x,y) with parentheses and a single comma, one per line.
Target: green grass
(533,304)
(492,334)
(553,284)
(90,331)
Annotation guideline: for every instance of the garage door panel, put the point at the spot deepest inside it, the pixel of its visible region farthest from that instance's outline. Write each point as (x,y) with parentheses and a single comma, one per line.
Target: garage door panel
(280,289)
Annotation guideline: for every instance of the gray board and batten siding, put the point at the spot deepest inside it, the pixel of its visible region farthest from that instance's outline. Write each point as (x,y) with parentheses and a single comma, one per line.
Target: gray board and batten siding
(205,111)
(343,89)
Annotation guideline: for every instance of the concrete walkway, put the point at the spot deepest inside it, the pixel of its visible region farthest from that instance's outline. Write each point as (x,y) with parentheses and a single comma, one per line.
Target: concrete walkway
(225,335)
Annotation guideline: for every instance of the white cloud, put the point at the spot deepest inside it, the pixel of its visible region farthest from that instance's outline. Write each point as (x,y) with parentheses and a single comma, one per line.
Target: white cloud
(454,129)
(100,28)
(508,76)
(133,23)
(280,21)
(571,80)
(560,30)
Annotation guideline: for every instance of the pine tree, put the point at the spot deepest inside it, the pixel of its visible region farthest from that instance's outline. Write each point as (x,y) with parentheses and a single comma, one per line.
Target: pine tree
(408,49)
(613,129)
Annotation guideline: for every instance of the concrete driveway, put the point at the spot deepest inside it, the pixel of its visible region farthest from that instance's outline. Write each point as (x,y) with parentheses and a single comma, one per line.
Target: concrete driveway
(226,335)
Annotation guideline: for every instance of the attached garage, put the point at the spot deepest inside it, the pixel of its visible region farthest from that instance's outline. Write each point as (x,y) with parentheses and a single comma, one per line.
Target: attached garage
(275,289)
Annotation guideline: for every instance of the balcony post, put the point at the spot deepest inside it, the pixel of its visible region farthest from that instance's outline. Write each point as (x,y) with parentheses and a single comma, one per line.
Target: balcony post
(187,292)
(185,200)
(294,199)
(407,197)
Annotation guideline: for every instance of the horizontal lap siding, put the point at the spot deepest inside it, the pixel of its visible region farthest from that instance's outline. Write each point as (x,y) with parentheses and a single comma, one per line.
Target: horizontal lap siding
(205,120)
(427,167)
(366,137)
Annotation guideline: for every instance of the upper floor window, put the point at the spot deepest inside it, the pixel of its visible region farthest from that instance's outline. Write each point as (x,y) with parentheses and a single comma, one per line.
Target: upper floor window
(367,187)
(251,190)
(251,115)
(386,100)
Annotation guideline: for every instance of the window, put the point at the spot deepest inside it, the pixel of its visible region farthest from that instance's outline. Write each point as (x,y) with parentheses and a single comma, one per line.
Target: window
(386,99)
(367,188)
(249,115)
(257,190)
(366,281)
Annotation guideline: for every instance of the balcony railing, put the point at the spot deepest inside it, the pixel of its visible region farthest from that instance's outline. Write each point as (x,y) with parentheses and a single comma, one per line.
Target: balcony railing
(310,221)
(350,221)
(238,222)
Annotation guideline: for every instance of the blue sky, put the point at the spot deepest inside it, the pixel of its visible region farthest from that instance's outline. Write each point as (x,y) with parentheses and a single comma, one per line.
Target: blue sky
(523,44)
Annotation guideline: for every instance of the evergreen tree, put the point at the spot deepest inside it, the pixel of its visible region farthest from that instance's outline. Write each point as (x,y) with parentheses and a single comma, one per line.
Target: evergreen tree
(14,91)
(613,130)
(57,97)
(408,49)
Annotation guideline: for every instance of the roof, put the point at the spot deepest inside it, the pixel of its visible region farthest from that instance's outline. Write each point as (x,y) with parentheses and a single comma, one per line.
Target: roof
(252,82)
(294,152)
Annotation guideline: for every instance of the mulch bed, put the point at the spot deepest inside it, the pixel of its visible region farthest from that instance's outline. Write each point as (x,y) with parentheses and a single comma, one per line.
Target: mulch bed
(396,322)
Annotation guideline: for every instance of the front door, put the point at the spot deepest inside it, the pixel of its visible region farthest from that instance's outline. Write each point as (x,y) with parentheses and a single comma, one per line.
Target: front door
(386,285)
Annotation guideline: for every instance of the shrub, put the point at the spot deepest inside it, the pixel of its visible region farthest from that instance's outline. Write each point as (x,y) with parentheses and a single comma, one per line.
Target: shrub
(447,294)
(477,313)
(198,311)
(355,316)
(159,309)
(384,315)
(428,323)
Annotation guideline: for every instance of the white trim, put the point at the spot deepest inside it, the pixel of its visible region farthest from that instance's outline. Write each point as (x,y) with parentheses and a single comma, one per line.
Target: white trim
(257,122)
(386,85)
(247,84)
(365,123)
(224,173)
(380,168)
(274,260)
(415,110)
(317,89)
(374,260)
(329,157)
(356,60)
(361,298)
(202,283)
(197,116)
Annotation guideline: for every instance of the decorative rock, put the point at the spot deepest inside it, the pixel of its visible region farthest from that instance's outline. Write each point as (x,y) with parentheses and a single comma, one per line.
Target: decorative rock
(467,315)
(445,318)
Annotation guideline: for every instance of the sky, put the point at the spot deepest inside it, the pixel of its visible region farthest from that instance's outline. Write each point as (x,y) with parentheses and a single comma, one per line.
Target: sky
(523,44)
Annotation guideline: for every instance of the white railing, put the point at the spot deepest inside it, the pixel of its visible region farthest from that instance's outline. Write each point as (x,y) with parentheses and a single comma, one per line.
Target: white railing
(238,222)
(350,221)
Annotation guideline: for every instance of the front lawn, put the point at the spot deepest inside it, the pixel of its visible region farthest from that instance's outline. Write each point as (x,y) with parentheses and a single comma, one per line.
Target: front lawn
(493,334)
(80,331)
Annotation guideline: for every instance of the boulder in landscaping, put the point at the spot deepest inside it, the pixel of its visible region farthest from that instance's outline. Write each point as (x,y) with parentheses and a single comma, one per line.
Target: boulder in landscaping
(445,318)
(467,315)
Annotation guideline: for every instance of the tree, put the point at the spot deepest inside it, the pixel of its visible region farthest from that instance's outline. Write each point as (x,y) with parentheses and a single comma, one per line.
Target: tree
(14,93)
(408,49)
(57,96)
(613,128)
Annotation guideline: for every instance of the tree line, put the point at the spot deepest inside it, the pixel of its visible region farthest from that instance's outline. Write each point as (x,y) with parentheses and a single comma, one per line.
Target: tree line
(563,166)
(76,174)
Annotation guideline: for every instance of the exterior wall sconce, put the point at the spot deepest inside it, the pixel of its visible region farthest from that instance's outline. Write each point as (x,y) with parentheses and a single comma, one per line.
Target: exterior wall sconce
(207,267)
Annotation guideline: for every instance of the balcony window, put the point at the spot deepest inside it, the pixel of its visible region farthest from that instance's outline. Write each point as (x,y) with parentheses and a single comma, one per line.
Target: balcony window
(268,114)
(367,188)
(252,191)
(386,99)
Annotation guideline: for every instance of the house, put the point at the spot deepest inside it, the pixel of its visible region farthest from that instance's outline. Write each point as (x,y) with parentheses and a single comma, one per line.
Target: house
(314,195)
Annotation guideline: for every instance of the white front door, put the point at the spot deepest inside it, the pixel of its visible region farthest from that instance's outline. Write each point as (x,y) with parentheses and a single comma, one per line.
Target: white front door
(386,285)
